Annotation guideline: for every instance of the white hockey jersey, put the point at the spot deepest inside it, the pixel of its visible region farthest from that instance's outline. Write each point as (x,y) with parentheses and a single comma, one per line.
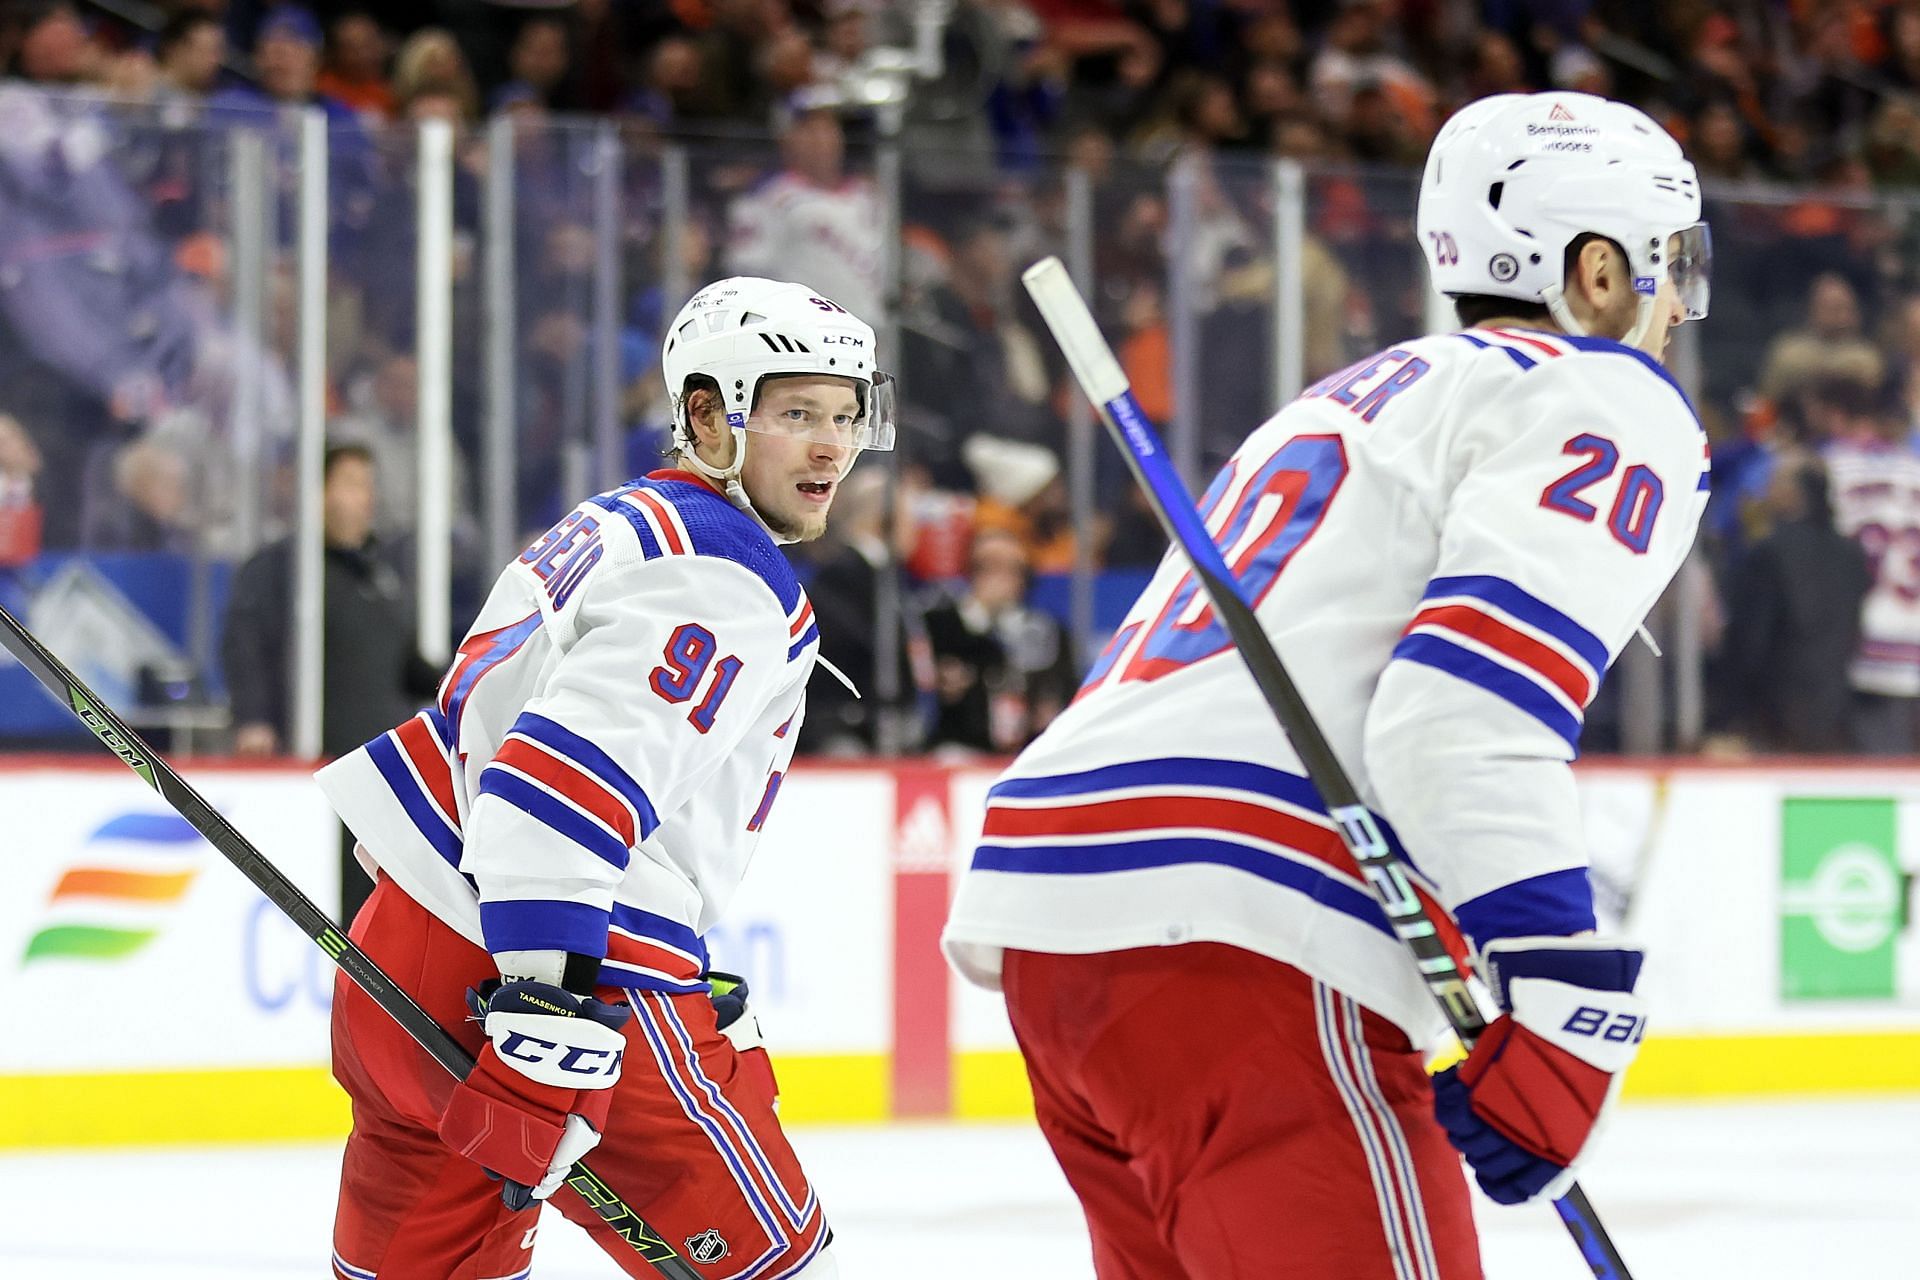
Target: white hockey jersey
(1449,543)
(790,229)
(1876,499)
(607,742)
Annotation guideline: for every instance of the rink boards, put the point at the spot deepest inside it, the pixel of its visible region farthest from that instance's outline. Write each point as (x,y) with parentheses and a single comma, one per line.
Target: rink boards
(166,1000)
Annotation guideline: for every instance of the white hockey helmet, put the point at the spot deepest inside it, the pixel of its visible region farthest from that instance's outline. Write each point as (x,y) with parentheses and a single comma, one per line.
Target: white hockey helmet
(743,330)
(1513,179)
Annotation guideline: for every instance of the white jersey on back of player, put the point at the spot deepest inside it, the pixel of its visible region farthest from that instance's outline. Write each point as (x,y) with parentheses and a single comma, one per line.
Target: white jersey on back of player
(1449,543)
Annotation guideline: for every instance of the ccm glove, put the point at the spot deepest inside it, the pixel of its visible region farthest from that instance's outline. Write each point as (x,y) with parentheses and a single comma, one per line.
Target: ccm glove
(537,1099)
(1526,1101)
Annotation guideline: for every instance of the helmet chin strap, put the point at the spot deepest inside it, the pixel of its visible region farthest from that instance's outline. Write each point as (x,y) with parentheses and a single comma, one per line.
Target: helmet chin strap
(728,478)
(1555,296)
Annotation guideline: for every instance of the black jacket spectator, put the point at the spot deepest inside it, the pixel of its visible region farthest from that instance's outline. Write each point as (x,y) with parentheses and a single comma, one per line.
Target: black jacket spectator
(1794,624)
(373,677)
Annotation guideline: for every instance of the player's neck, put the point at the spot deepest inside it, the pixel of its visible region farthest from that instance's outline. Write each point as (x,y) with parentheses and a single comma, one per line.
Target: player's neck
(1516,322)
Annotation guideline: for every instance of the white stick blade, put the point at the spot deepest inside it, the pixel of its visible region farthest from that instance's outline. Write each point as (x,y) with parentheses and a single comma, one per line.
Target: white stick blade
(1065,312)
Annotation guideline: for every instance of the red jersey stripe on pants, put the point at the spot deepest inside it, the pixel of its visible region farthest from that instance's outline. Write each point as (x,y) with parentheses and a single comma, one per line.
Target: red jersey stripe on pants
(1224,1117)
(692,1142)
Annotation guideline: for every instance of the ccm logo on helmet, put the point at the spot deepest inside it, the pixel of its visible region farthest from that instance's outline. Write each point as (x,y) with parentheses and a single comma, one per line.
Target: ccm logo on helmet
(568,1058)
(842,340)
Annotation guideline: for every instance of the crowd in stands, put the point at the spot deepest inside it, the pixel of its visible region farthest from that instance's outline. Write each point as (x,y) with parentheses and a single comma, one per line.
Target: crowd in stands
(122,375)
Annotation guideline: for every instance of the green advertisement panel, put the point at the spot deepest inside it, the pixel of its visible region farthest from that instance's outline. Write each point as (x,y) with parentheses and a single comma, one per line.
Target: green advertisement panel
(1840,896)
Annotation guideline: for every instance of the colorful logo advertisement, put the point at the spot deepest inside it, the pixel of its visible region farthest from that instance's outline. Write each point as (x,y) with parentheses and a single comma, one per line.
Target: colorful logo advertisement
(127,880)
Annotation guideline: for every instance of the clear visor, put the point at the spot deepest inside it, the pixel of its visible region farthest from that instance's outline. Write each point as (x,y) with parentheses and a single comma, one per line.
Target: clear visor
(837,411)
(1690,268)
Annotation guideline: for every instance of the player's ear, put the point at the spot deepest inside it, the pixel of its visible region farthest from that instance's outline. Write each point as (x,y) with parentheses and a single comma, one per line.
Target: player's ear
(1596,269)
(703,412)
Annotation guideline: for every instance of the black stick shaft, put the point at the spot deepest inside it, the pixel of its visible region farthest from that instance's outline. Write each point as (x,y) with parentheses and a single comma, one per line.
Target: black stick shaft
(118,738)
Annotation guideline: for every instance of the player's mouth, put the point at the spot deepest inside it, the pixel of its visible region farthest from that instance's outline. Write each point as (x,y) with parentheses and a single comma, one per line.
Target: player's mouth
(820,491)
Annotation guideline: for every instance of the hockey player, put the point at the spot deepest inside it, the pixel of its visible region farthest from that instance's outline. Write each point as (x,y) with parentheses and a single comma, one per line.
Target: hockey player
(556,833)
(1448,543)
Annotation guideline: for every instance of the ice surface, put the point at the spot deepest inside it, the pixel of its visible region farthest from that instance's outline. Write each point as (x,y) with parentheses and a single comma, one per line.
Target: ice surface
(1755,1191)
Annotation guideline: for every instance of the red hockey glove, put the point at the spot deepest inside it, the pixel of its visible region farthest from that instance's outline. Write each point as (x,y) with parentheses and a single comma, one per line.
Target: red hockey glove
(537,1099)
(1523,1106)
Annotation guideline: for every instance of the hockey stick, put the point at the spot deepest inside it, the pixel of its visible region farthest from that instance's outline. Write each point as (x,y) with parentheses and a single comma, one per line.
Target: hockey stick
(284,894)
(1104,383)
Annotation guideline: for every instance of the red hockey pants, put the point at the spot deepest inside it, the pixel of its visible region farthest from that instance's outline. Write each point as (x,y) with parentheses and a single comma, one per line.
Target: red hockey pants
(1224,1117)
(692,1144)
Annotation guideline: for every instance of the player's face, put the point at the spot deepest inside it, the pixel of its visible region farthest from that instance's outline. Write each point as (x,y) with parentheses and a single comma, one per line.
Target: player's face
(800,445)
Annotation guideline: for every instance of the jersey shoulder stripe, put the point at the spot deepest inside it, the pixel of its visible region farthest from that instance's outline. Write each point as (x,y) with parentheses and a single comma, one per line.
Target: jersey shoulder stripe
(1529,349)
(675,514)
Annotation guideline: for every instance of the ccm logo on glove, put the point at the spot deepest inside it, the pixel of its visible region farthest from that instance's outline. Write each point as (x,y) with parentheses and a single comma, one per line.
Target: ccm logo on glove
(571,1059)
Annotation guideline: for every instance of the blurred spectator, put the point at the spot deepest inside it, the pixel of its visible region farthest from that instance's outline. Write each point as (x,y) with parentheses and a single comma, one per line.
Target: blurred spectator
(372,676)
(845,595)
(1795,622)
(286,58)
(430,63)
(382,419)
(813,221)
(971,358)
(1022,494)
(845,37)
(1719,144)
(1355,52)
(1002,670)
(1876,496)
(669,92)
(19,507)
(355,71)
(539,62)
(1497,67)
(53,47)
(1831,344)
(151,505)
(190,49)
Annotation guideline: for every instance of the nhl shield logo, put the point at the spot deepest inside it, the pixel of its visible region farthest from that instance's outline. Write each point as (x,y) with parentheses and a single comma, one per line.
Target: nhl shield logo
(708,1246)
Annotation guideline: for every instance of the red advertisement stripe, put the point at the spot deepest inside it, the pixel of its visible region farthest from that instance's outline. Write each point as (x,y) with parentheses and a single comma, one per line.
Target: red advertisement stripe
(1521,647)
